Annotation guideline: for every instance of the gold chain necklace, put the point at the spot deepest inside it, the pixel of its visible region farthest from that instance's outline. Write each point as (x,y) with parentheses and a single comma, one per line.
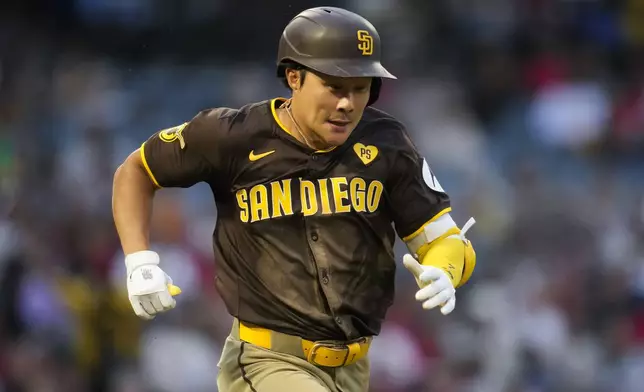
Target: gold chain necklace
(287,106)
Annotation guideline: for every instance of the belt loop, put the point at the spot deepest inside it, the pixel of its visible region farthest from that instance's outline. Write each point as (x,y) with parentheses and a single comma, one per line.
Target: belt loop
(354,351)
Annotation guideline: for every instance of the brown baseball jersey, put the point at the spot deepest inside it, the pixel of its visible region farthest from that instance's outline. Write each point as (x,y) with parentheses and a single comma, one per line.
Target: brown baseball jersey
(303,238)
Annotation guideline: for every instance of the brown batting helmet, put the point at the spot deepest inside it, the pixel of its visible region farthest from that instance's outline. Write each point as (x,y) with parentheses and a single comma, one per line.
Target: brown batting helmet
(333,41)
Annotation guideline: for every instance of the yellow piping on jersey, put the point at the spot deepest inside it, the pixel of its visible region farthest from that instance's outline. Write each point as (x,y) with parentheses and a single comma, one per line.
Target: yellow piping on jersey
(147,167)
(420,230)
(281,125)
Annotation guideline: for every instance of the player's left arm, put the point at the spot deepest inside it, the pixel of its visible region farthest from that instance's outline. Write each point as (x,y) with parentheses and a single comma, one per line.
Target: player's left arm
(440,257)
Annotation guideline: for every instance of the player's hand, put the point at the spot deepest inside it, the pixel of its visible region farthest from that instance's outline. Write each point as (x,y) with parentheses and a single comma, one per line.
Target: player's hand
(150,290)
(436,288)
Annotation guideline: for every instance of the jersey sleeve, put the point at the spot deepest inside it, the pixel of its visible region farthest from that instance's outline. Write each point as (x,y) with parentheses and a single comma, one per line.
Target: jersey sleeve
(416,196)
(187,154)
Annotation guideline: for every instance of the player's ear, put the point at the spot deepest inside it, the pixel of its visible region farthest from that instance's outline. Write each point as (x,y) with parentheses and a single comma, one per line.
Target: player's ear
(293,78)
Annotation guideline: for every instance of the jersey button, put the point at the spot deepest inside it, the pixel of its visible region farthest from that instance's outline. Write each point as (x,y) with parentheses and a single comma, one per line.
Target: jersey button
(314,157)
(338,320)
(325,276)
(314,236)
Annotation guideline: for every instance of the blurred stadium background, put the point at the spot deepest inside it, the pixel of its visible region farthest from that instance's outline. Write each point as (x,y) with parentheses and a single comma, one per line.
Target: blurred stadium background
(531,112)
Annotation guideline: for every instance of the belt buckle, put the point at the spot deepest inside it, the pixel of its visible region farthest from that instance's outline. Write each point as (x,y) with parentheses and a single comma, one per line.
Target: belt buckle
(311,357)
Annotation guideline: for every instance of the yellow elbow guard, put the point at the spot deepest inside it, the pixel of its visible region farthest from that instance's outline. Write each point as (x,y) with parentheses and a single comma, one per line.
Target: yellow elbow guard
(453,254)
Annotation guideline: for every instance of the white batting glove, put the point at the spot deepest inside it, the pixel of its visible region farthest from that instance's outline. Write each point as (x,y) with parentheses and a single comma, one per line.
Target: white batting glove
(147,285)
(436,288)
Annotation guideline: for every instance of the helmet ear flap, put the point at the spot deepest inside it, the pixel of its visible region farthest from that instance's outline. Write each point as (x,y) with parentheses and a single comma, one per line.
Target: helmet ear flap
(374,92)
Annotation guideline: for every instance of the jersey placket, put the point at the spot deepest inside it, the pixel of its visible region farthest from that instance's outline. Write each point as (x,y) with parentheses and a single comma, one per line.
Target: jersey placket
(314,229)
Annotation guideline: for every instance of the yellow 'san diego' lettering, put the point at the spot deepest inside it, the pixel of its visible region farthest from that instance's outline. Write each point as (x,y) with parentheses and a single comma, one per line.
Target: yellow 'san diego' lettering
(326,196)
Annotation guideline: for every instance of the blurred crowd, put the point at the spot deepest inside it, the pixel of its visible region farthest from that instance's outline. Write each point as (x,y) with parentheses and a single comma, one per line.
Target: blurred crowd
(531,113)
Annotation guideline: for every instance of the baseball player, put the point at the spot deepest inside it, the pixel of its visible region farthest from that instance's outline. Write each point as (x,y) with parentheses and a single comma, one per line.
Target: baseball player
(311,191)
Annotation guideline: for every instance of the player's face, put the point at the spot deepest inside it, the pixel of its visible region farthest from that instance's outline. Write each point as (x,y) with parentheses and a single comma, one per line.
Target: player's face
(331,107)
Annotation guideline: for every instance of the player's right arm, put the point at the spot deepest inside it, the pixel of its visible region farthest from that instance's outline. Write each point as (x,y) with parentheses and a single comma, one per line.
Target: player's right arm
(132,195)
(176,157)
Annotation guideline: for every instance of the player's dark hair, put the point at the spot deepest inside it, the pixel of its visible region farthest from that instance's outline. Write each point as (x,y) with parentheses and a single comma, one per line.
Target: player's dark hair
(293,65)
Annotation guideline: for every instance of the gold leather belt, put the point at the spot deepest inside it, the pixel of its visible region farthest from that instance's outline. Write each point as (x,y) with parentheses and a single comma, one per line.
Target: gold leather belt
(322,353)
